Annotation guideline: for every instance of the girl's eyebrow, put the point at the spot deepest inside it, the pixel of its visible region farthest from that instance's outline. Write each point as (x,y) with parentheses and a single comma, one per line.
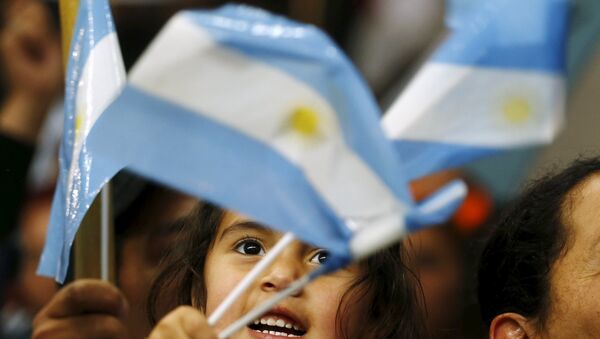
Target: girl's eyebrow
(245,226)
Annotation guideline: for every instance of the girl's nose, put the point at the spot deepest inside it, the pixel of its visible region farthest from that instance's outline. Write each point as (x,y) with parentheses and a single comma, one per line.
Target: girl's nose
(284,271)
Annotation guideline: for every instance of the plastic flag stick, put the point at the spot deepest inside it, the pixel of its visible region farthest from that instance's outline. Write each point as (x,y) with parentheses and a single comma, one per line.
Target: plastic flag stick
(105,222)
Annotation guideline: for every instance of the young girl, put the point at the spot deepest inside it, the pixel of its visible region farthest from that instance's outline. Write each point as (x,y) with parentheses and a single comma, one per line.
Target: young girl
(373,299)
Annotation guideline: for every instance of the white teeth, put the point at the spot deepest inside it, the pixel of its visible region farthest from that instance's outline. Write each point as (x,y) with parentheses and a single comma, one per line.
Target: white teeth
(279,323)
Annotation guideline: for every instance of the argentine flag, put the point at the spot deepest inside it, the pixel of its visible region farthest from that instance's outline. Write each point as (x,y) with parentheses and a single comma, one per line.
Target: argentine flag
(95,76)
(496,82)
(267,117)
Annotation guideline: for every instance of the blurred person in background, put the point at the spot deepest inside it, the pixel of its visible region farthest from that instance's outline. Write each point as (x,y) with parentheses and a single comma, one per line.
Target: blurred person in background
(33,75)
(27,292)
(31,66)
(441,258)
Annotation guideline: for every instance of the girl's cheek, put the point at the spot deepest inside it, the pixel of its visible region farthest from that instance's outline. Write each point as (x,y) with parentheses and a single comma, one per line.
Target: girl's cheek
(219,283)
(326,295)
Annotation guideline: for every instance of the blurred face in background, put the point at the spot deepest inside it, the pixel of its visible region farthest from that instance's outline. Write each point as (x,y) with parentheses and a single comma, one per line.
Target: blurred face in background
(437,259)
(438,262)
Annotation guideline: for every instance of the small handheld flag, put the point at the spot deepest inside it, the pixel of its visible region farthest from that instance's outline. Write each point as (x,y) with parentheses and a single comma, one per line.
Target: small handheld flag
(95,75)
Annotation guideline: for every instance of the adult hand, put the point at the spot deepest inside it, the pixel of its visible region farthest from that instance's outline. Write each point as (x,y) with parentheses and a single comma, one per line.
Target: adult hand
(83,309)
(183,323)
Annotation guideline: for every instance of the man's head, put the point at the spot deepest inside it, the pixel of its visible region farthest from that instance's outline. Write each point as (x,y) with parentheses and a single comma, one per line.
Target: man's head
(540,271)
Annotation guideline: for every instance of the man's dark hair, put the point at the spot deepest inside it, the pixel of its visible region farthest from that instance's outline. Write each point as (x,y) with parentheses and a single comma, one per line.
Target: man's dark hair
(515,267)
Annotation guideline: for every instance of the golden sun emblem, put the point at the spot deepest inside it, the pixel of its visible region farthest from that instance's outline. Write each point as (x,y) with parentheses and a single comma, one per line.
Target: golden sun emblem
(305,121)
(517,110)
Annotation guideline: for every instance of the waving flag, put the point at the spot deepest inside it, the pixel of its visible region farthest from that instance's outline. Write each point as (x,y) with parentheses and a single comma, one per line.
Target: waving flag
(495,83)
(95,76)
(264,116)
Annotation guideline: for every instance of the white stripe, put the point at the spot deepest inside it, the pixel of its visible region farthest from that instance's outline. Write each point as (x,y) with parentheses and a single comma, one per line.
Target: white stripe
(467,105)
(258,100)
(102,79)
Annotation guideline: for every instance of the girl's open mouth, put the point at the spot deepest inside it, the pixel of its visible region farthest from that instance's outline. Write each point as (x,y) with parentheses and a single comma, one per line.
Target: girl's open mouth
(277,325)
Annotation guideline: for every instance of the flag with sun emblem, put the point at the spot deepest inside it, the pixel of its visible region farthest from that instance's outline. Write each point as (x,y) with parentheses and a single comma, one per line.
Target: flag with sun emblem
(267,117)
(496,82)
(95,76)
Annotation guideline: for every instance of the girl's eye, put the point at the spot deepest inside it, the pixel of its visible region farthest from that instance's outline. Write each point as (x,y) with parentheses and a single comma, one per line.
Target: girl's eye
(320,257)
(250,247)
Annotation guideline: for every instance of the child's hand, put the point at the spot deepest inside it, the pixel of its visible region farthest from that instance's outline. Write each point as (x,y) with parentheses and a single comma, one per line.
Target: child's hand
(184,322)
(84,309)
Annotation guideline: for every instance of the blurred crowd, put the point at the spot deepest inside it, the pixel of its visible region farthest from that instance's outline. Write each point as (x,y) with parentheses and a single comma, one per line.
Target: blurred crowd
(386,39)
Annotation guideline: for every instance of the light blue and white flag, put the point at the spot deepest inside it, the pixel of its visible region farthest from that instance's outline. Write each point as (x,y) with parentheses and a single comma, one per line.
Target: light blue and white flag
(496,82)
(266,117)
(95,76)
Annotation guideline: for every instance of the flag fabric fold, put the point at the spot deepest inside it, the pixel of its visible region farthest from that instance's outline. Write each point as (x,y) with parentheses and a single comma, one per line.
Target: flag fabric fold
(496,82)
(95,75)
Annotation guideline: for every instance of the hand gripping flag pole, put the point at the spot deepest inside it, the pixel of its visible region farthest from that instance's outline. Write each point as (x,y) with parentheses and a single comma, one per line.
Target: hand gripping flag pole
(263,116)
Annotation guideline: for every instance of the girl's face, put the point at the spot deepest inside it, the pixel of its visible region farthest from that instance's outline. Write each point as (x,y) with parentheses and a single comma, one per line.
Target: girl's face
(311,313)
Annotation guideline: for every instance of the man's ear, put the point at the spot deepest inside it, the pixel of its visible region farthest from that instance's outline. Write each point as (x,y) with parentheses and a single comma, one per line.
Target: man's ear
(510,326)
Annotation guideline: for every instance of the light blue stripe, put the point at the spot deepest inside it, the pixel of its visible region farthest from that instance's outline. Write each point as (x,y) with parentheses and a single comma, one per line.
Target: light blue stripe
(514,34)
(199,156)
(308,55)
(51,264)
(421,158)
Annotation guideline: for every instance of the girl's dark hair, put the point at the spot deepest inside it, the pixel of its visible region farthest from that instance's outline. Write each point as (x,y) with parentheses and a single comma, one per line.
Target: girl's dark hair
(385,285)
(515,267)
